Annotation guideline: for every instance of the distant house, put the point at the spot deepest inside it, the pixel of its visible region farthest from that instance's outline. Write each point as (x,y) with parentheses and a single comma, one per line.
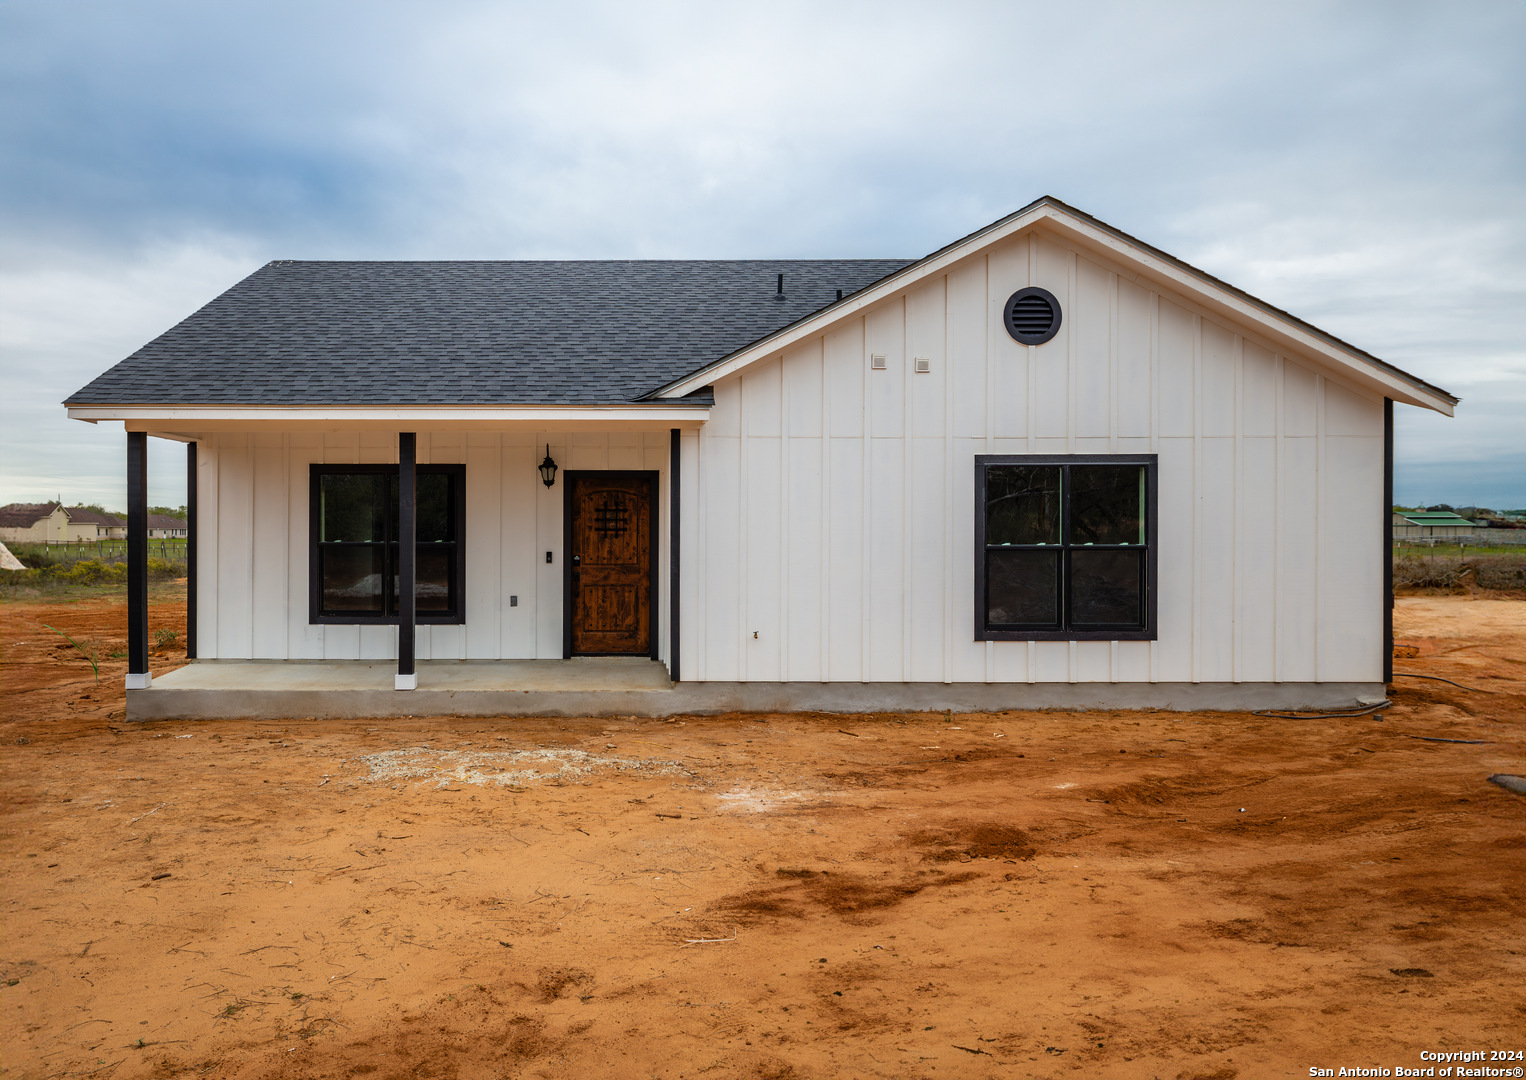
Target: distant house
(167,527)
(35,523)
(1047,465)
(86,524)
(1420,524)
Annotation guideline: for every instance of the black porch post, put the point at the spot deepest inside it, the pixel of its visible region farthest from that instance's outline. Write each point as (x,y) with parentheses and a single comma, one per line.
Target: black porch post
(675,445)
(190,551)
(137,561)
(407,550)
(1388,540)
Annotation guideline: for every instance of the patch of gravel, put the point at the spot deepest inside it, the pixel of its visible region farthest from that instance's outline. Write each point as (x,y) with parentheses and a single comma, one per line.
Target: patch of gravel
(504,768)
(755,800)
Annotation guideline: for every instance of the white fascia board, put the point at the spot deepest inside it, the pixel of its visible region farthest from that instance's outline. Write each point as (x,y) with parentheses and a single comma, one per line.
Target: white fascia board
(200,418)
(1277,326)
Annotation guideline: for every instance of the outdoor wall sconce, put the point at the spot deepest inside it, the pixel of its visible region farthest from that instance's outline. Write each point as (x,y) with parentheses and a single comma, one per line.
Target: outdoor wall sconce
(548,468)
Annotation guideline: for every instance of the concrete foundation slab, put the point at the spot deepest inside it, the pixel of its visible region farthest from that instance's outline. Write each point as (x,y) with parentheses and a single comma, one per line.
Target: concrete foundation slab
(621,686)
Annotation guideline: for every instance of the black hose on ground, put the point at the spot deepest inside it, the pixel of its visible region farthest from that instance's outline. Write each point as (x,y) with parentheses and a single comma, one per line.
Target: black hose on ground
(1338,715)
(1438,678)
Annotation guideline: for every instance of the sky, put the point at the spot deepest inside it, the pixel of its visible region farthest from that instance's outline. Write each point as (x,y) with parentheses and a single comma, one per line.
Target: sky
(1362,165)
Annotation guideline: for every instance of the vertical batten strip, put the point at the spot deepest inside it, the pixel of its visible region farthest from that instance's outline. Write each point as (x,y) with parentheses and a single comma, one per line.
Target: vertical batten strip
(1319,517)
(744,614)
(948,483)
(908,363)
(1280,526)
(1197,487)
(1388,540)
(826,515)
(1236,501)
(782,633)
(866,527)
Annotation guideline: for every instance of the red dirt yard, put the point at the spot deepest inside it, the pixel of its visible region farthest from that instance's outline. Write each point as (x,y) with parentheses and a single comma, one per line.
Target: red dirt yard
(1029,894)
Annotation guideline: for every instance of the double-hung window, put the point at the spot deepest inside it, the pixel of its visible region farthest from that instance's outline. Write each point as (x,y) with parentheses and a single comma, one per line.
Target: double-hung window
(353,547)
(1065,547)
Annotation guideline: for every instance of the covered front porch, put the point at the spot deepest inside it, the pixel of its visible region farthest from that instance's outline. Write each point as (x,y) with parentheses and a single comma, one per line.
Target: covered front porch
(279,623)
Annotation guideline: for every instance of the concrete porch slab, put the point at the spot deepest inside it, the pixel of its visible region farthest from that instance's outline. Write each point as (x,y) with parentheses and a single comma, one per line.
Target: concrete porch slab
(602,673)
(628,686)
(251,689)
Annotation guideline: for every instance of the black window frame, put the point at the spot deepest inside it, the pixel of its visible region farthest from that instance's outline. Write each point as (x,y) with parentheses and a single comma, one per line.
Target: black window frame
(984,632)
(315,614)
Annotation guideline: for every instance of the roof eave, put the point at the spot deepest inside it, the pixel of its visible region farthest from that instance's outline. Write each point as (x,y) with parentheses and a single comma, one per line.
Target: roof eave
(177,420)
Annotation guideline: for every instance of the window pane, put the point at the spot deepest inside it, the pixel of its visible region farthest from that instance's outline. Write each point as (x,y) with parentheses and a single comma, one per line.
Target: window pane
(1022,588)
(1023,504)
(1105,588)
(431,506)
(351,578)
(436,523)
(433,571)
(1107,504)
(352,507)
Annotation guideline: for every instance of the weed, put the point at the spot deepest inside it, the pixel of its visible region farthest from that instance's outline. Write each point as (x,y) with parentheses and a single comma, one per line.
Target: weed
(93,656)
(165,638)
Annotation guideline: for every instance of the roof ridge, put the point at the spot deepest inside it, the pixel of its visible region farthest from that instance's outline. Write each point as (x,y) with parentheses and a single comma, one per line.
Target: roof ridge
(588,262)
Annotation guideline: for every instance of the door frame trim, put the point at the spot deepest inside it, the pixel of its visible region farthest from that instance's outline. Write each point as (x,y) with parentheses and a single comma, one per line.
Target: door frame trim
(653,480)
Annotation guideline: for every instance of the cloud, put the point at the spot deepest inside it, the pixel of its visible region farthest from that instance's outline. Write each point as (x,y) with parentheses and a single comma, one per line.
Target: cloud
(64,317)
(1357,164)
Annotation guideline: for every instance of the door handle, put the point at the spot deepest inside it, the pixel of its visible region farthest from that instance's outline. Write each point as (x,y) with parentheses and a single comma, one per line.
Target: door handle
(577,560)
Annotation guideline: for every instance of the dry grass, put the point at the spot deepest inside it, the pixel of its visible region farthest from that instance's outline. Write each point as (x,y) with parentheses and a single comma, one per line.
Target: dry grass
(1497,572)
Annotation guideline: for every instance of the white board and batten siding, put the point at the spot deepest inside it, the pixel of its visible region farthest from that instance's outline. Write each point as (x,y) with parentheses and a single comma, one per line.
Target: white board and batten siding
(829,506)
(253,492)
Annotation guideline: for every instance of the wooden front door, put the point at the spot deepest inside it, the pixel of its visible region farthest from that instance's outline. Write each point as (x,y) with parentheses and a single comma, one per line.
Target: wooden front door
(610,562)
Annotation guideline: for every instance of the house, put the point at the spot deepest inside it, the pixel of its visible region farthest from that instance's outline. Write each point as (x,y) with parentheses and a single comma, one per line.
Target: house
(167,527)
(86,524)
(1422,524)
(1030,469)
(54,523)
(34,523)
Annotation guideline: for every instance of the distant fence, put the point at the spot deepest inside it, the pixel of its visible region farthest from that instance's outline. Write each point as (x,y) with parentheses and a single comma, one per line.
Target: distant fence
(1476,538)
(103,551)
(1501,536)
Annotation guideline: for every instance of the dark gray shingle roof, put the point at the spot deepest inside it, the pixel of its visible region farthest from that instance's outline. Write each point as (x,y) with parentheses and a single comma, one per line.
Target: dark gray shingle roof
(25,515)
(81,515)
(470,333)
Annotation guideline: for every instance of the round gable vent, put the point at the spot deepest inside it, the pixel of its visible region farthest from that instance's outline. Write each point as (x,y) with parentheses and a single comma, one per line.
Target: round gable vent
(1033,316)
